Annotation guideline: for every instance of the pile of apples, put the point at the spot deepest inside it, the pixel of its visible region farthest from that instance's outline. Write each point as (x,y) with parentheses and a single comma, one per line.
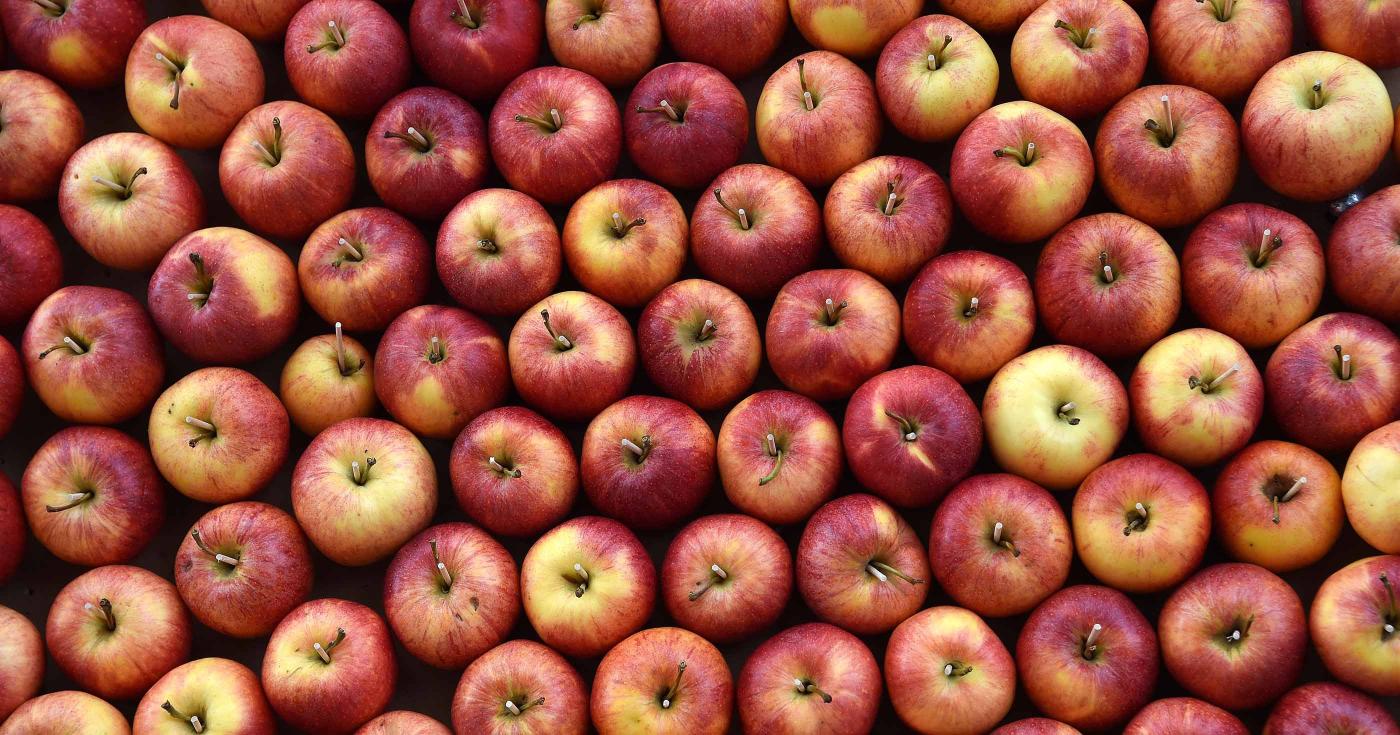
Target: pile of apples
(579,355)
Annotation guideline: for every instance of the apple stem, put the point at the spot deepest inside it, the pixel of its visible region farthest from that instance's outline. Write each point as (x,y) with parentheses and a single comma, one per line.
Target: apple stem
(717,574)
(972,307)
(1317,94)
(325,651)
(360,473)
(1344,362)
(1139,523)
(1091,642)
(179,73)
(707,330)
(1223,8)
(591,15)
(1267,245)
(123,189)
(1389,590)
(221,558)
(996,532)
(273,155)
(51,6)
(956,668)
(876,567)
(412,137)
(935,59)
(1240,631)
(442,572)
(582,577)
(192,719)
(504,470)
(355,253)
(739,214)
(1064,410)
(891,199)
(807,686)
(487,246)
(621,228)
(200,298)
(435,351)
(561,340)
(74,500)
(103,611)
(1080,38)
(640,452)
(807,98)
(1212,385)
(1024,156)
(906,427)
(664,107)
(1165,135)
(833,311)
(777,454)
(671,693)
(336,40)
(1107,269)
(68,343)
(463,16)
(516,709)
(552,124)
(997,539)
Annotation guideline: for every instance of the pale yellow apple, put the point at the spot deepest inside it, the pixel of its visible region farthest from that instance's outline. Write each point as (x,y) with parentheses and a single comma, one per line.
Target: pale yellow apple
(1371,488)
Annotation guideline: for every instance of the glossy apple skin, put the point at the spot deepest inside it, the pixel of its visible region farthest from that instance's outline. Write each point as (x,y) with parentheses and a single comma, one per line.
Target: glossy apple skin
(841,130)
(934,105)
(519,267)
(260,20)
(1215,602)
(1184,714)
(1309,398)
(365,294)
(1243,506)
(708,137)
(1035,726)
(31,267)
(1112,319)
(833,660)
(125,508)
(1232,290)
(555,166)
(1015,203)
(1192,46)
(216,91)
(335,697)
(479,62)
(122,365)
(22,654)
(734,36)
(812,457)
(1368,483)
(350,80)
(840,542)
(915,230)
(1079,81)
(449,628)
(991,16)
(708,373)
(625,688)
(436,394)
(626,270)
(520,671)
(1317,155)
(222,693)
(426,183)
(615,41)
(11,389)
(51,714)
(944,332)
(519,440)
(828,358)
(851,27)
(84,46)
(621,589)
(751,595)
(572,384)
(317,393)
(12,540)
(151,637)
(783,238)
(130,232)
(933,703)
(1327,707)
(40,127)
(1362,30)
(403,722)
(1362,245)
(1348,618)
(257,297)
(250,441)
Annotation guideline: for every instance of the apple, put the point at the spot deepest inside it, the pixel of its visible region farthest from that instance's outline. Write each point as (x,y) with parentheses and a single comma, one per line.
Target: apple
(78,43)
(1220,47)
(475,48)
(1036,726)
(726,577)
(329,666)
(760,229)
(12,540)
(1354,619)
(1368,488)
(116,630)
(403,722)
(1252,272)
(1078,57)
(1327,707)
(498,252)
(218,435)
(829,331)
(1278,505)
(504,692)
(1357,28)
(1234,635)
(684,123)
(92,355)
(586,584)
(615,41)
(812,677)
(439,367)
(625,240)
(948,673)
(328,379)
(555,133)
(214,696)
(895,201)
(935,75)
(784,480)
(11,390)
(32,266)
(57,713)
(1184,714)
(189,79)
(22,652)
(425,151)
(571,356)
(1360,246)
(1037,179)
(1317,125)
(514,472)
(818,116)
(663,680)
(259,20)
(648,462)
(346,57)
(854,28)
(224,296)
(699,344)
(40,127)
(991,16)
(736,37)
(1078,412)
(364,267)
(967,313)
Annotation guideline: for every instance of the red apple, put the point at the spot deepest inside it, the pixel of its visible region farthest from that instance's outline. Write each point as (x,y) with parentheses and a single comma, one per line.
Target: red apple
(260,20)
(855,28)
(403,722)
(934,76)
(209,695)
(684,123)
(1360,247)
(734,36)
(1354,619)
(504,693)
(615,41)
(817,117)
(829,331)
(1220,47)
(810,678)
(514,472)
(948,673)
(991,16)
(346,57)
(571,356)
(439,367)
(77,43)
(1036,726)
(968,313)
(425,151)
(667,681)
(726,577)
(498,252)
(625,240)
(1184,714)
(12,530)
(364,267)
(895,201)
(699,344)
(1367,487)
(40,127)
(53,713)
(328,379)
(475,48)
(22,654)
(1327,707)
(1278,505)
(783,479)
(30,265)
(1363,30)
(1078,57)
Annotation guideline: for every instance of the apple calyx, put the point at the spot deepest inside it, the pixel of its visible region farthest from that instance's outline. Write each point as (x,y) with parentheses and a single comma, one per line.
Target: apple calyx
(68,343)
(807,686)
(517,709)
(832,311)
(436,353)
(561,342)
(1239,631)
(1166,134)
(123,190)
(195,723)
(1343,363)
(808,100)
(773,450)
(1267,245)
(204,284)
(907,429)
(956,668)
(1108,274)
(579,577)
(621,227)
(973,307)
(664,107)
(1194,382)
(639,452)
(177,71)
(462,16)
(487,245)
(935,59)
(203,430)
(1064,410)
(271,155)
(221,558)
(1287,495)
(740,214)
(882,571)
(325,651)
(74,500)
(707,330)
(335,39)
(1392,612)
(444,576)
(103,611)
(1081,38)
(1090,649)
(715,576)
(998,538)
(1137,520)
(668,695)
(51,7)
(552,125)
(1317,100)
(1222,9)
(506,470)
(1024,155)
(413,137)
(359,473)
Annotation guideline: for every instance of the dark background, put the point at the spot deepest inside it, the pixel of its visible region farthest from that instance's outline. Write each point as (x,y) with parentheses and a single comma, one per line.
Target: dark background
(428,690)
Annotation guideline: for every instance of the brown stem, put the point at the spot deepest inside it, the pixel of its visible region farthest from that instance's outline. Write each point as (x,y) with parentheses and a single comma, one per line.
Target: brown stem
(1091,642)
(444,575)
(435,351)
(833,310)
(463,16)
(517,709)
(325,651)
(69,344)
(906,427)
(564,342)
(877,567)
(74,500)
(123,190)
(807,100)
(935,59)
(776,453)
(552,124)
(271,155)
(807,686)
(221,558)
(336,40)
(104,611)
(642,451)
(670,694)
(411,137)
(621,227)
(179,73)
(1081,38)
(739,213)
(503,469)
(707,330)
(664,107)
(1024,155)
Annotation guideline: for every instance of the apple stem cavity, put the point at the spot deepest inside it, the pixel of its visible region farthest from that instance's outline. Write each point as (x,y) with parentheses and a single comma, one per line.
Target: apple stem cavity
(640,452)
(194,720)
(670,694)
(355,253)
(74,500)
(325,651)
(777,454)
(360,473)
(935,59)
(907,429)
(879,570)
(1392,615)
(335,39)
(1082,39)
(51,7)
(103,611)
(179,73)
(1107,269)
(1287,496)
(412,137)
(586,17)
(833,311)
(221,558)
(1024,155)
(739,214)
(621,227)
(808,100)
(1223,9)
(563,342)
(1091,642)
(517,709)
(1267,245)
(1317,95)
(553,124)
(956,668)
(504,470)
(124,190)
(1139,523)
(272,155)
(716,575)
(707,330)
(663,107)
(487,246)
(892,199)
(1064,410)
(463,16)
(997,530)
(443,575)
(435,351)
(68,343)
(807,686)
(1343,362)
(972,308)
(1239,631)
(1206,387)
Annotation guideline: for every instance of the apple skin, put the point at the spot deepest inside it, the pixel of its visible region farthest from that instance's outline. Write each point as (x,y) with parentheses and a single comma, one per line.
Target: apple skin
(22,652)
(403,722)
(150,636)
(915,230)
(706,371)
(991,16)
(1348,618)
(259,20)
(708,137)
(1363,30)
(834,556)
(1327,707)
(934,703)
(842,128)
(576,383)
(1312,402)
(812,456)
(782,241)
(1214,603)
(40,128)
(365,293)
(449,628)
(918,471)
(1184,714)
(934,105)
(476,62)
(1115,318)
(122,365)
(12,529)
(1100,690)
(1079,80)
(829,658)
(257,297)
(31,267)
(518,267)
(737,37)
(317,393)
(523,441)
(827,352)
(1018,203)
(83,46)
(335,697)
(353,79)
(1232,290)
(945,332)
(247,448)
(634,677)
(614,41)
(1045,448)
(129,231)
(1368,484)
(119,503)
(521,672)
(620,592)
(984,575)
(214,92)
(53,714)
(1156,555)
(225,695)
(626,269)
(1362,245)
(1193,46)
(749,597)
(854,28)
(1314,155)
(11,388)
(426,183)
(1243,506)
(435,394)
(555,166)
(1036,726)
